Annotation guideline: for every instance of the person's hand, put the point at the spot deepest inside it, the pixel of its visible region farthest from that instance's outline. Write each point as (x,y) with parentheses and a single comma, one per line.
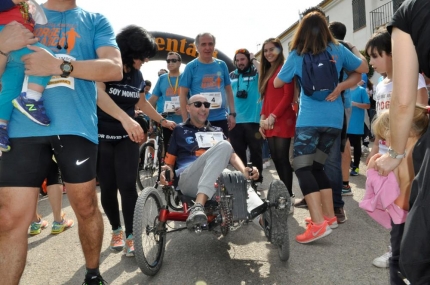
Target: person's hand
(262,132)
(15,36)
(178,111)
(385,164)
(168,124)
(231,122)
(271,121)
(333,95)
(163,180)
(133,129)
(137,113)
(254,173)
(374,151)
(264,124)
(372,160)
(41,63)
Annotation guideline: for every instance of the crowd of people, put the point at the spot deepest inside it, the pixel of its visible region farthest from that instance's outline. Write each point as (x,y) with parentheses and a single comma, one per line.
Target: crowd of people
(215,118)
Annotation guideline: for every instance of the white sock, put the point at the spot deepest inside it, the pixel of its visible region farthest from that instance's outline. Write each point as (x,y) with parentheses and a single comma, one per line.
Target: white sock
(31,94)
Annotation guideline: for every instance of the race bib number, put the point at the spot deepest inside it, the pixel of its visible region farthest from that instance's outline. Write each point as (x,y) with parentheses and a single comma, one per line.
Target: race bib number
(208,139)
(214,98)
(57,81)
(171,106)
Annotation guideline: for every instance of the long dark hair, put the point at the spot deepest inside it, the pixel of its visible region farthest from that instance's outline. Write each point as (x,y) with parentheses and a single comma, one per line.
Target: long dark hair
(312,35)
(135,42)
(266,69)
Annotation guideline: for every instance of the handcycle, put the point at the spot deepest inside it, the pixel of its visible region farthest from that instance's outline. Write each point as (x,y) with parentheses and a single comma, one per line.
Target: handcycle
(226,211)
(150,163)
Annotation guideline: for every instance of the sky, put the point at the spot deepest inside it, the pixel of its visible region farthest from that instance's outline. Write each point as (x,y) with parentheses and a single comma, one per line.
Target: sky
(235,23)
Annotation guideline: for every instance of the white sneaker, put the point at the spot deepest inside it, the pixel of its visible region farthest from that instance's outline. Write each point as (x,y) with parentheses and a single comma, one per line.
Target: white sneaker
(268,163)
(364,150)
(291,210)
(382,261)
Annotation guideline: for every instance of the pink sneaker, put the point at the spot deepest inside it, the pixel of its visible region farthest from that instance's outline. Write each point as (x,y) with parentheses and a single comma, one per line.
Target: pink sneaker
(332,222)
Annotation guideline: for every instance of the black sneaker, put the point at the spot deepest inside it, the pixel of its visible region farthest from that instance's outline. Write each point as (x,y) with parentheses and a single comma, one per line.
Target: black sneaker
(94,280)
(339,212)
(197,216)
(301,203)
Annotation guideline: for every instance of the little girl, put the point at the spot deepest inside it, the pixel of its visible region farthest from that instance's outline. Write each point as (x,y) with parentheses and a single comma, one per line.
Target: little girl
(387,197)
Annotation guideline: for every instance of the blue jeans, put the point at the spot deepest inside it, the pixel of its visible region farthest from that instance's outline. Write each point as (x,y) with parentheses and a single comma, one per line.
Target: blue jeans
(333,170)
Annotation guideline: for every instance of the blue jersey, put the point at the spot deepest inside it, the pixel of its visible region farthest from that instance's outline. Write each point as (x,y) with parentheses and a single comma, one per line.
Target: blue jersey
(167,90)
(247,109)
(210,80)
(70,102)
(313,113)
(356,123)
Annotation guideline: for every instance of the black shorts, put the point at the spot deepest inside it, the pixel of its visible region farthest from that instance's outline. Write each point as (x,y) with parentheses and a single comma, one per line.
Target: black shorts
(54,175)
(29,161)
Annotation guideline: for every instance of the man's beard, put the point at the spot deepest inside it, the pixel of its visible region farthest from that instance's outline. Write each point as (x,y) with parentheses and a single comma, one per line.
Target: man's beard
(245,69)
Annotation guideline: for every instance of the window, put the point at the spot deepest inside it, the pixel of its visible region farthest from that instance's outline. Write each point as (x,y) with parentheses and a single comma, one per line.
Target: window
(358,14)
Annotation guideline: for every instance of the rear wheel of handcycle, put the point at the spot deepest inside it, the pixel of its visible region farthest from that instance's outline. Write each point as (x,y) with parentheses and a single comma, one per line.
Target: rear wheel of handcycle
(149,169)
(149,237)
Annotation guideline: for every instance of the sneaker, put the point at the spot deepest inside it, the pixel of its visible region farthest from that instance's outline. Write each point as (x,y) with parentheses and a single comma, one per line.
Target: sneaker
(58,228)
(382,261)
(129,246)
(346,190)
(364,150)
(301,203)
(4,139)
(339,212)
(197,216)
(291,211)
(117,241)
(332,222)
(33,109)
(37,227)
(314,232)
(267,163)
(354,171)
(94,280)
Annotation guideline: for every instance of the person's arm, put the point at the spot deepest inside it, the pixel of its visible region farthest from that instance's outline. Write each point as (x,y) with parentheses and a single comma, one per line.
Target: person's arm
(351,81)
(422,96)
(403,97)
(230,99)
(255,62)
(14,36)
(361,105)
(183,93)
(150,112)
(238,165)
(107,67)
(133,129)
(375,149)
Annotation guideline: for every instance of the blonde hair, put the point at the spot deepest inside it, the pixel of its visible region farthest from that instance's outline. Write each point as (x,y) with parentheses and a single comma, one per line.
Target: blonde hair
(420,122)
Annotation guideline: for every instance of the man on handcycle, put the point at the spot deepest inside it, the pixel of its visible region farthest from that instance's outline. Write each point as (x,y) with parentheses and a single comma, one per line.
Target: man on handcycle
(200,152)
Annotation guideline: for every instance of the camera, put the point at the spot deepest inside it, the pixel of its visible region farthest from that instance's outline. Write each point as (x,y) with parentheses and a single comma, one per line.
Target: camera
(242,94)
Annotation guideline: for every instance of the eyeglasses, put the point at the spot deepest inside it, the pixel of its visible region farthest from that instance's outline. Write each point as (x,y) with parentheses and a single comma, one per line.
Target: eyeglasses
(198,104)
(242,50)
(172,60)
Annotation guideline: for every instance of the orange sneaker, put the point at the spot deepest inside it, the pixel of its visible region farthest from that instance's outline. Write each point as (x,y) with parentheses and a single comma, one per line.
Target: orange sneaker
(117,241)
(314,232)
(332,222)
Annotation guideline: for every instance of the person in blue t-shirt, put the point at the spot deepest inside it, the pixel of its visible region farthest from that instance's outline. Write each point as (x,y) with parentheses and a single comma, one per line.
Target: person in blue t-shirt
(360,102)
(319,123)
(209,77)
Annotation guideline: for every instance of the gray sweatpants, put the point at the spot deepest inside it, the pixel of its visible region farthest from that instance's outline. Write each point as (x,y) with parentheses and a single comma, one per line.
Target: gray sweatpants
(201,175)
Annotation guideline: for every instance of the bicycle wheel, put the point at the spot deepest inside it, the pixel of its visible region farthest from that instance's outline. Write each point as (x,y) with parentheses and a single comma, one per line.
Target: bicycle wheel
(149,238)
(148,170)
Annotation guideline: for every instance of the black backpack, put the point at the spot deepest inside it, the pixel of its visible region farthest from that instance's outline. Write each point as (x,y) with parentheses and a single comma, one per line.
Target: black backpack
(319,73)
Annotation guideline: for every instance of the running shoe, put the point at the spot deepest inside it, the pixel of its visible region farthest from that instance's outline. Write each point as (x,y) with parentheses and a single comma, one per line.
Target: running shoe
(355,171)
(314,232)
(301,203)
(332,222)
(129,246)
(37,227)
(197,216)
(59,227)
(33,109)
(346,190)
(117,241)
(382,261)
(340,214)
(4,139)
(94,280)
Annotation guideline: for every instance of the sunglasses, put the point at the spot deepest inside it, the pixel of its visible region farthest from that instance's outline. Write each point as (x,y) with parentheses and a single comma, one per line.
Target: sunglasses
(242,50)
(172,60)
(198,104)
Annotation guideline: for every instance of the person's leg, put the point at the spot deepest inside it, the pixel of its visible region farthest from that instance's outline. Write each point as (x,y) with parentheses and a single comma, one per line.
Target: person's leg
(346,165)
(395,239)
(254,142)
(279,148)
(333,171)
(55,196)
(238,141)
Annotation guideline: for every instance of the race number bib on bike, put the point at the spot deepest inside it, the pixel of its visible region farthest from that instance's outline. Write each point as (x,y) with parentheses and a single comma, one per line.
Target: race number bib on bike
(214,98)
(208,139)
(171,106)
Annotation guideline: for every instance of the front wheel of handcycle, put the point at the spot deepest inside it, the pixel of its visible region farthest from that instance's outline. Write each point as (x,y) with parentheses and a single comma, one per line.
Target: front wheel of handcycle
(149,234)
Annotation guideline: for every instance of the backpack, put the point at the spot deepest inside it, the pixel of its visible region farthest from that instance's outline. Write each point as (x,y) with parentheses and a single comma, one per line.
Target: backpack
(319,73)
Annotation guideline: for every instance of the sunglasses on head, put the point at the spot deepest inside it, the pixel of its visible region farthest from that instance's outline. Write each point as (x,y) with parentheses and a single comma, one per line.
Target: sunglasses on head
(242,50)
(198,104)
(172,60)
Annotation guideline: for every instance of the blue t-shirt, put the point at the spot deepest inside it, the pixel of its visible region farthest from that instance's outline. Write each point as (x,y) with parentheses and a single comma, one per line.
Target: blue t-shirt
(247,109)
(166,89)
(313,113)
(208,79)
(70,102)
(356,123)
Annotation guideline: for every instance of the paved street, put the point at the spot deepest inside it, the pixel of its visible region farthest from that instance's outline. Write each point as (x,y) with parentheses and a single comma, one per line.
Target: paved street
(243,257)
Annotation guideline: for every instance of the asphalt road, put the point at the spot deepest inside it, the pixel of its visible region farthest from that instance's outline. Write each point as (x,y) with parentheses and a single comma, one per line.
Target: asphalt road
(243,257)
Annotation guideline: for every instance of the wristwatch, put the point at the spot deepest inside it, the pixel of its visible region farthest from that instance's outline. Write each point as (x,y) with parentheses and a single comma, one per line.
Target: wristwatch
(232,114)
(392,153)
(67,68)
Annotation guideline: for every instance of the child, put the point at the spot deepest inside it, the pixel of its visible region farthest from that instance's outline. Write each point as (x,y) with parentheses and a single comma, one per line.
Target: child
(387,197)
(30,103)
(378,48)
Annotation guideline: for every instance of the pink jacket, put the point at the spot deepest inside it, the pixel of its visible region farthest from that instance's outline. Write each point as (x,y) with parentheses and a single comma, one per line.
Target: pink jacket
(378,201)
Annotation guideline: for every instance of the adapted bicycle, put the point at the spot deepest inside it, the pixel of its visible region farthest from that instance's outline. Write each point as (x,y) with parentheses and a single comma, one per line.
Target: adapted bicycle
(227,211)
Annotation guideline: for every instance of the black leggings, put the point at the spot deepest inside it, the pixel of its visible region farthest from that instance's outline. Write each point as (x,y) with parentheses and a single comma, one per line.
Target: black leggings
(355,141)
(280,152)
(116,169)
